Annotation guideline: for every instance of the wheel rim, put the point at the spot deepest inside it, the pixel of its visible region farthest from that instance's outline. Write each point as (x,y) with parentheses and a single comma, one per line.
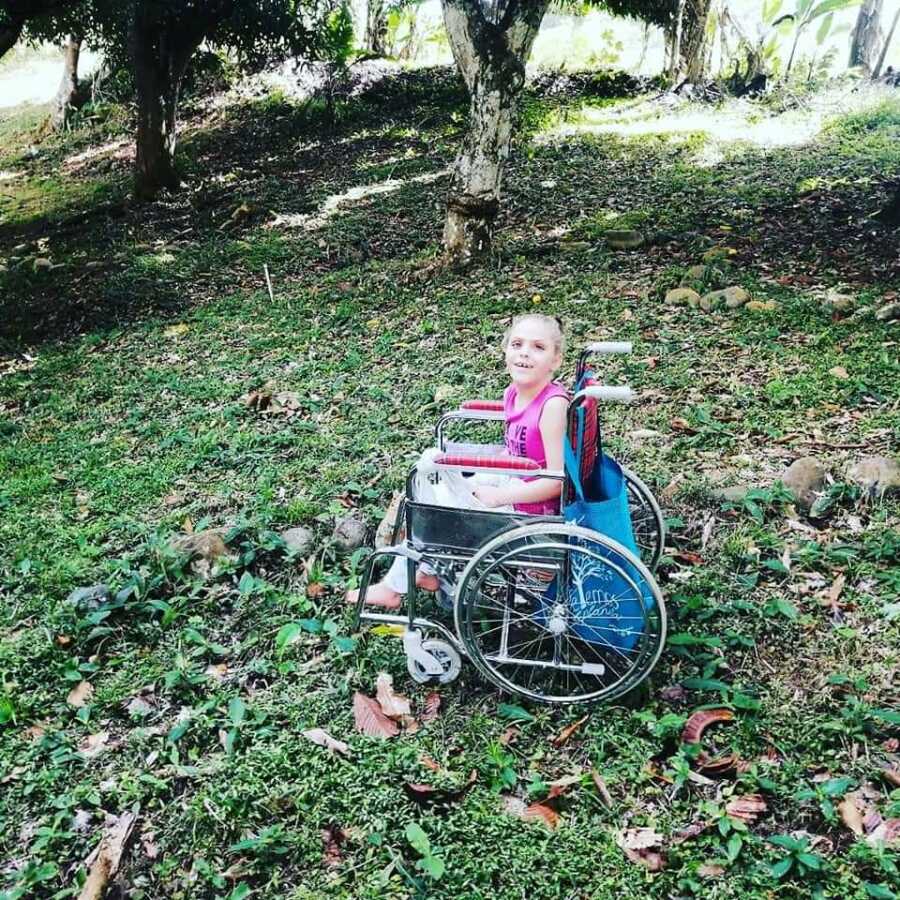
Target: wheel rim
(592,632)
(647,521)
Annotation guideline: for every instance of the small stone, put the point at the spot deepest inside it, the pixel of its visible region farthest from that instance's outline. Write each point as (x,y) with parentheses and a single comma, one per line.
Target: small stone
(717,254)
(94,264)
(693,275)
(734,494)
(761,305)
(839,372)
(349,533)
(41,263)
(736,297)
(643,434)
(205,545)
(298,540)
(20,248)
(838,302)
(89,598)
(804,478)
(682,295)
(624,239)
(888,313)
(876,475)
(574,246)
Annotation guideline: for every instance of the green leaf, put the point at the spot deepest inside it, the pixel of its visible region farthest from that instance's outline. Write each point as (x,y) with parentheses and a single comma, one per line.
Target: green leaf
(418,839)
(230,739)
(879,891)
(7,711)
(776,565)
(886,715)
(240,892)
(836,787)
(432,866)
(828,6)
(733,848)
(786,841)
(782,867)
(810,860)
(345,644)
(247,584)
(313,626)
(287,634)
(787,609)
(177,732)
(514,712)
(821,34)
(744,701)
(237,709)
(705,684)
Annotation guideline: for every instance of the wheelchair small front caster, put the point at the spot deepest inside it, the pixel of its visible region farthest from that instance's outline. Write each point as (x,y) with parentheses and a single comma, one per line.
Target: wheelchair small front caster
(446,657)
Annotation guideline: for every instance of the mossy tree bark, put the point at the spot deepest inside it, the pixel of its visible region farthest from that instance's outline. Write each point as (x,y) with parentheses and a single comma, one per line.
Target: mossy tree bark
(161,47)
(491,54)
(64,101)
(866,36)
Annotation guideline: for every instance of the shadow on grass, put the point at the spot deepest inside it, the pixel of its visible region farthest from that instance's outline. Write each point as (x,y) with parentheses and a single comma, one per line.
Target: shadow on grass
(263,173)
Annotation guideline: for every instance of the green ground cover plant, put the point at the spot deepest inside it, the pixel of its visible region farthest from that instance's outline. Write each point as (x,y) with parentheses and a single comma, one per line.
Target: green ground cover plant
(131,357)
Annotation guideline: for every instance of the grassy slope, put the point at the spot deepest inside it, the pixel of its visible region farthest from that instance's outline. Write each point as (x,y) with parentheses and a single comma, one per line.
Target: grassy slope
(110,439)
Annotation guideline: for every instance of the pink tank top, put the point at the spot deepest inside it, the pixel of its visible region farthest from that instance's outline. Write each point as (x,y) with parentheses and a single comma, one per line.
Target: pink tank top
(523,438)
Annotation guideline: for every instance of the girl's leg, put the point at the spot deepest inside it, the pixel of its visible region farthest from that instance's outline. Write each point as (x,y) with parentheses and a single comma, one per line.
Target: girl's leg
(388,593)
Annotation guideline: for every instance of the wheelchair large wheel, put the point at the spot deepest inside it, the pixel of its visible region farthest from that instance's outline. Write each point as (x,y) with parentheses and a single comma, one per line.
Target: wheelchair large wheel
(646,520)
(557,613)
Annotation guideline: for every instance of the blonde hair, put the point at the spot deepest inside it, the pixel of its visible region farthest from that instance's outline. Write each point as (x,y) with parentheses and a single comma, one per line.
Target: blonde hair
(553,324)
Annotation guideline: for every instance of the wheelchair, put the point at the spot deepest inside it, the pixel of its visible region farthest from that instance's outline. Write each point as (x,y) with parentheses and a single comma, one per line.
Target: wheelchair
(546,609)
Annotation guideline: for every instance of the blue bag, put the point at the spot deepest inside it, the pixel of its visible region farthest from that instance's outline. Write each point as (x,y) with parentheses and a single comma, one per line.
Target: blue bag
(602,601)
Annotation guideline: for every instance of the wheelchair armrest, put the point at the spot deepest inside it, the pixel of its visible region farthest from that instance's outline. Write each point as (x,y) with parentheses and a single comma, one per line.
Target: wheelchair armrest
(484,405)
(475,462)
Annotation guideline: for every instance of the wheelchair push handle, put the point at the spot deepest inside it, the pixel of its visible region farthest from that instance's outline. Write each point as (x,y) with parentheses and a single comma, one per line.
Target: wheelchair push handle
(606,393)
(608,348)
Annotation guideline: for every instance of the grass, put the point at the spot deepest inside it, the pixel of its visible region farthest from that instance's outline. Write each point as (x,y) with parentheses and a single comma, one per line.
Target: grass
(124,422)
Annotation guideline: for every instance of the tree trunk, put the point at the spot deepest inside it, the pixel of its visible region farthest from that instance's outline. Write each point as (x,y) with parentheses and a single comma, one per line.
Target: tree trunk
(887,43)
(866,36)
(491,57)
(161,48)
(376,27)
(63,103)
(675,49)
(693,41)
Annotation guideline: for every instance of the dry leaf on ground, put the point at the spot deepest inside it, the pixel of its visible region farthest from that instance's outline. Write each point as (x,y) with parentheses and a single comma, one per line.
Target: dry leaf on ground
(639,845)
(369,718)
(333,837)
(851,815)
(710,870)
(428,795)
(748,808)
(543,813)
(393,705)
(602,789)
(432,707)
(80,694)
(701,720)
(104,860)
(568,731)
(94,744)
(324,739)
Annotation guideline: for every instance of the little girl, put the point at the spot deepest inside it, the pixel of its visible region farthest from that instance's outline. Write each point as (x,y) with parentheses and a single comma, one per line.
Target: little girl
(534,410)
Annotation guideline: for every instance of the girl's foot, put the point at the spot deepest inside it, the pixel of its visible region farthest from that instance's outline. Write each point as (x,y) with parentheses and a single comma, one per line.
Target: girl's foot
(427,581)
(377,595)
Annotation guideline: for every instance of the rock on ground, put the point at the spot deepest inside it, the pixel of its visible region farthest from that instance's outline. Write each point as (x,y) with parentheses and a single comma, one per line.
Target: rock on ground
(349,533)
(876,475)
(298,540)
(682,295)
(805,479)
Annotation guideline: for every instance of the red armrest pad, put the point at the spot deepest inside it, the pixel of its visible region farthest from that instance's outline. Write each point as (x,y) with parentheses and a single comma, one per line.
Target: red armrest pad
(513,463)
(492,405)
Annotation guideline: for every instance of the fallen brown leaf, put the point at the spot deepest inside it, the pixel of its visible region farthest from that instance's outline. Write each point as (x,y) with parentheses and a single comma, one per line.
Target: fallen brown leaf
(543,813)
(690,831)
(315,590)
(80,694)
(432,707)
(639,846)
(104,860)
(333,837)
(430,763)
(701,720)
(428,795)
(393,705)
(689,557)
(887,833)
(891,774)
(748,807)
(602,789)
(509,736)
(324,739)
(370,719)
(93,744)
(710,870)
(851,815)
(718,766)
(567,732)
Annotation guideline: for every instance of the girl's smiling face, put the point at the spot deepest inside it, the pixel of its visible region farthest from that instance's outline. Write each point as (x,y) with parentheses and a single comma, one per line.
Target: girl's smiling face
(531,354)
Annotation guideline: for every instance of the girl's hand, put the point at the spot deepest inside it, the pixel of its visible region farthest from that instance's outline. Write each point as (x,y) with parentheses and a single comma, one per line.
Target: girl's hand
(491,496)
